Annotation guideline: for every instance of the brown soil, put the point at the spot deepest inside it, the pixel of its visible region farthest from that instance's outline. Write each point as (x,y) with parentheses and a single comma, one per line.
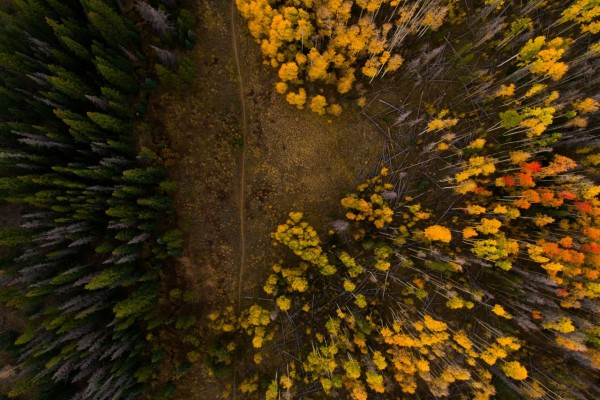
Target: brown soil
(294,161)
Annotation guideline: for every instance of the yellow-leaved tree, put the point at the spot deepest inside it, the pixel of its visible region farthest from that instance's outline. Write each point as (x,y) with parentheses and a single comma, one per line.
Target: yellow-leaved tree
(336,42)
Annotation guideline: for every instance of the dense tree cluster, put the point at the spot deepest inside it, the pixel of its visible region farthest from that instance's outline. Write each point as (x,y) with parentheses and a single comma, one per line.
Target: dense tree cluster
(349,345)
(336,42)
(89,239)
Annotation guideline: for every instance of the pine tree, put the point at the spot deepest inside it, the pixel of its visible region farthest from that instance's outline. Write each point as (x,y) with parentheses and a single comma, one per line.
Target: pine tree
(114,28)
(115,77)
(109,122)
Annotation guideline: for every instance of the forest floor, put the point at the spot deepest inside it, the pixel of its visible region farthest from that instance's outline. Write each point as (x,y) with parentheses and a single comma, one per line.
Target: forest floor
(280,159)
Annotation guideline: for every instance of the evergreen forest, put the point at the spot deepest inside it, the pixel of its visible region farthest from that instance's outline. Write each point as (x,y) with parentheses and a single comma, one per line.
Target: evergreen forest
(299,199)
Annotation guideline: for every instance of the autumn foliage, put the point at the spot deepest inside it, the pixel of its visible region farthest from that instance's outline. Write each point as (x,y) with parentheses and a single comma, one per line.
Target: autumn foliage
(469,265)
(335,42)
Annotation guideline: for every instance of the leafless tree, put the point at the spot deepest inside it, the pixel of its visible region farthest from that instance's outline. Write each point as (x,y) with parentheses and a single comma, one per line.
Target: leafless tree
(97,101)
(166,57)
(157,19)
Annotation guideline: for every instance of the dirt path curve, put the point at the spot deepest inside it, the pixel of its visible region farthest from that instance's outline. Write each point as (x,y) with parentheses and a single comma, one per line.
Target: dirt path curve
(242,180)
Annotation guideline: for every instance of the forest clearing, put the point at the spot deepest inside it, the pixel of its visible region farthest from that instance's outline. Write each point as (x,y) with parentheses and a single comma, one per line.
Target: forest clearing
(299,199)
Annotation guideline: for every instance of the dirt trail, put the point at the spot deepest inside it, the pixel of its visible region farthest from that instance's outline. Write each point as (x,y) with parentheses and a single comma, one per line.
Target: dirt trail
(242,183)
(242,165)
(244,159)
